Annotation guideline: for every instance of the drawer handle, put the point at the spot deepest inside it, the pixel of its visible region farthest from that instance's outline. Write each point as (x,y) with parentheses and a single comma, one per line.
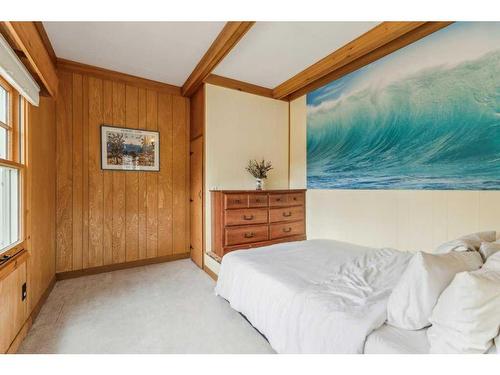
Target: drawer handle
(287,214)
(245,217)
(236,201)
(257,200)
(249,235)
(278,199)
(287,230)
(294,198)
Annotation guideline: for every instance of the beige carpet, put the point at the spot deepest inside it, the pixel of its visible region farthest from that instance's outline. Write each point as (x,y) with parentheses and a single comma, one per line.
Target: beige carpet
(162,308)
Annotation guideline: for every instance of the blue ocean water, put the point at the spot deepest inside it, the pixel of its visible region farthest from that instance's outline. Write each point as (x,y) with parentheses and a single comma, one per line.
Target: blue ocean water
(437,129)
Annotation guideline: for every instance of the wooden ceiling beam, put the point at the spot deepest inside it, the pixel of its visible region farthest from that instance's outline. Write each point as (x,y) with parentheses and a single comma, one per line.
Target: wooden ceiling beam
(28,39)
(229,36)
(46,41)
(383,39)
(239,85)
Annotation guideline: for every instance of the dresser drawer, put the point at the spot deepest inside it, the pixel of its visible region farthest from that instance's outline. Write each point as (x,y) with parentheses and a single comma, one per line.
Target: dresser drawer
(287,229)
(235,201)
(278,200)
(246,216)
(286,214)
(296,199)
(248,234)
(257,200)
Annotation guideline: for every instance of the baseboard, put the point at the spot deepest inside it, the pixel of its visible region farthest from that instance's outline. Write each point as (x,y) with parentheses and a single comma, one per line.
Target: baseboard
(210,273)
(23,332)
(43,298)
(120,266)
(14,347)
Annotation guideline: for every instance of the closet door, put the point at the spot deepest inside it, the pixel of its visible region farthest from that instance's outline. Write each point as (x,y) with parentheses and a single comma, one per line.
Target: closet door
(196,199)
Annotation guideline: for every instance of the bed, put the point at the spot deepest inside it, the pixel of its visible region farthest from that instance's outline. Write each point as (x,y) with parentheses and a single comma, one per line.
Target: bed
(391,340)
(315,296)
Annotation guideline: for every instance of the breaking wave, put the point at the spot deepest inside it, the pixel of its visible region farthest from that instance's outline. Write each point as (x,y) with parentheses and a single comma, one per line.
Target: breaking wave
(436,129)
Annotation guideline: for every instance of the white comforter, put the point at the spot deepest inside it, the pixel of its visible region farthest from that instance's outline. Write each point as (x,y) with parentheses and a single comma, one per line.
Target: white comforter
(316,296)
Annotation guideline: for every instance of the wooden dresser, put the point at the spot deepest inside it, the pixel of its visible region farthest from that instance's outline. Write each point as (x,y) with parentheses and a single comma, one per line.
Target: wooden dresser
(243,219)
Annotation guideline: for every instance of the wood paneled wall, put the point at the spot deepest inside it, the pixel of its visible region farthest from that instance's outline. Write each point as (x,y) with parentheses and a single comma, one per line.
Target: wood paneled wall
(110,217)
(42,198)
(37,269)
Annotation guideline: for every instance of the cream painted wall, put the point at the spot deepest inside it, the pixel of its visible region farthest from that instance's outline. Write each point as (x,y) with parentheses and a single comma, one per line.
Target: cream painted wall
(408,220)
(239,127)
(298,150)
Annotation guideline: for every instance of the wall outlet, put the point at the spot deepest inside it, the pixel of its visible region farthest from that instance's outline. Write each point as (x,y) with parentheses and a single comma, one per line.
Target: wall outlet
(24,292)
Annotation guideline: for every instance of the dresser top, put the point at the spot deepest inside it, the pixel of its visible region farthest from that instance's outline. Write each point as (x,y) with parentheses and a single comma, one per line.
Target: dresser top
(259,191)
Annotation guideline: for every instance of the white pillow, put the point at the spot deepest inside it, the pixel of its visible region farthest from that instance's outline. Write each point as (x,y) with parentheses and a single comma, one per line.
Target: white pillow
(417,291)
(468,242)
(466,318)
(487,249)
(493,262)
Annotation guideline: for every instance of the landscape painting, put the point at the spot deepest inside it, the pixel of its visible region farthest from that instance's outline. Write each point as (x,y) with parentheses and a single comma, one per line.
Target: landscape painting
(129,149)
(424,117)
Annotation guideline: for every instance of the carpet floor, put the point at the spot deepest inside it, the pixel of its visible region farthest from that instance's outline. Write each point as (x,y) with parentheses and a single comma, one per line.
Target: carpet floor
(161,308)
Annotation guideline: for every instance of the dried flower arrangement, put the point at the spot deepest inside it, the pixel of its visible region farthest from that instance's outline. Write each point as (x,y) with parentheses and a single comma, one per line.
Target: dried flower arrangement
(259,171)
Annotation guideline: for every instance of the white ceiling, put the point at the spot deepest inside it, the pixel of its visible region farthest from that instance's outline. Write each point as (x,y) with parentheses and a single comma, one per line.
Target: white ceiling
(161,51)
(269,54)
(272,52)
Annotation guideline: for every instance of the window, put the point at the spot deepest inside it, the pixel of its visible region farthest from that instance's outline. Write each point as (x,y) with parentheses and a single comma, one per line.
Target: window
(4,105)
(9,206)
(12,108)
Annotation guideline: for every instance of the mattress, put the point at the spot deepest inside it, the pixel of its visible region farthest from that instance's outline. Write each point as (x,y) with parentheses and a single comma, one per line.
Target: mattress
(391,340)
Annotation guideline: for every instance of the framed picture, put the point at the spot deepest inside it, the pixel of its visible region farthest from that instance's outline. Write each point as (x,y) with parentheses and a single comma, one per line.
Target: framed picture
(125,149)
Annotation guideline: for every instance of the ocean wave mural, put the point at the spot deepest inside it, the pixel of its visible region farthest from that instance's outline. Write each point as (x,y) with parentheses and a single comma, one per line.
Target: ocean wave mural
(424,117)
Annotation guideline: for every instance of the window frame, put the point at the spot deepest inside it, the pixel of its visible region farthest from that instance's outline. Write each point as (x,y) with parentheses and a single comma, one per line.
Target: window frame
(16,127)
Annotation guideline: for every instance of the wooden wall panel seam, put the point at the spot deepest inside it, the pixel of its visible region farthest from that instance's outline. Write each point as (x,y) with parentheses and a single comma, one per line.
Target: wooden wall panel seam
(64,177)
(95,174)
(85,165)
(77,171)
(142,193)
(108,181)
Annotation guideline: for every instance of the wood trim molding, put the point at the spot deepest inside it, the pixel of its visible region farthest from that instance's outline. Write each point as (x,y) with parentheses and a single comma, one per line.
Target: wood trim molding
(222,45)
(28,39)
(46,41)
(210,273)
(120,266)
(234,84)
(76,67)
(383,39)
(12,264)
(23,332)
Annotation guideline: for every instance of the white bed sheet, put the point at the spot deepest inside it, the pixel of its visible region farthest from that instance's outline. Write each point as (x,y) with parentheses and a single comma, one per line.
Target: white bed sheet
(392,340)
(316,296)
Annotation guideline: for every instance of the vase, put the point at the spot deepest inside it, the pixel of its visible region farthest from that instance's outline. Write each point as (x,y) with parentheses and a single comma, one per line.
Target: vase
(259,183)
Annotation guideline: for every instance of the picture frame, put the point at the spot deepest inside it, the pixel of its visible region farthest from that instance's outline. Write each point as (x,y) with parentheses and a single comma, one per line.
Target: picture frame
(128,149)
